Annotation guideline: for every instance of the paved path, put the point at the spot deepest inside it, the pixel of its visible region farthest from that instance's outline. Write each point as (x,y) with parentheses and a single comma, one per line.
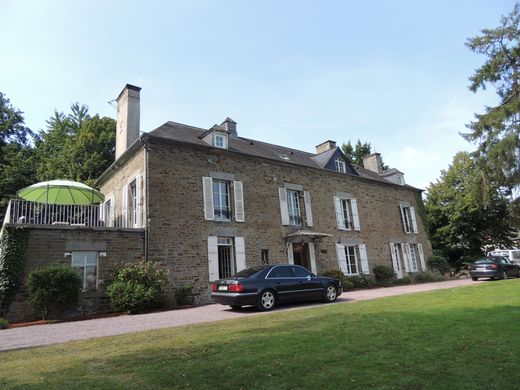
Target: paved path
(38,335)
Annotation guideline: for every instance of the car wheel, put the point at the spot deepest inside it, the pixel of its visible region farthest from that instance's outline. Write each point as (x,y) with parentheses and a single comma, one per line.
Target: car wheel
(235,307)
(474,279)
(331,293)
(504,275)
(266,300)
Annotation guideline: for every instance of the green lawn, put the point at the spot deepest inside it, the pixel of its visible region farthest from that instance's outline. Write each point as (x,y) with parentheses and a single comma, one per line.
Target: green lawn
(448,339)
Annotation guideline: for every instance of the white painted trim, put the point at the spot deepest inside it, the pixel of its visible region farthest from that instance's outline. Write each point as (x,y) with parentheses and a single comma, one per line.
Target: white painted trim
(284,208)
(312,257)
(363,259)
(213,258)
(240,253)
(207,194)
(238,192)
(355,215)
(308,208)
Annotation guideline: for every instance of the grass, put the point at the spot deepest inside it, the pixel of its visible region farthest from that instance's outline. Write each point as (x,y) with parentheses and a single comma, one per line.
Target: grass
(458,338)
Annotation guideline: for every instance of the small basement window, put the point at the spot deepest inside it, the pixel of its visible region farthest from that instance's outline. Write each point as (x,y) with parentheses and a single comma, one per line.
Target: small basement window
(86,265)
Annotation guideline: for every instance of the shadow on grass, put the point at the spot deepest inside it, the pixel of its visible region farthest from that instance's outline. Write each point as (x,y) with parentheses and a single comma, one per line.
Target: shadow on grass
(380,346)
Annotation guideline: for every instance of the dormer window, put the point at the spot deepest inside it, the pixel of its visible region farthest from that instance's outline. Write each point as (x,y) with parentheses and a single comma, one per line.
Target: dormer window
(341,166)
(220,140)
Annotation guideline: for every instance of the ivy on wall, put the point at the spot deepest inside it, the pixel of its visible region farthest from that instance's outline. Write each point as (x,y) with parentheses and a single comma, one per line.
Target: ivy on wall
(13,242)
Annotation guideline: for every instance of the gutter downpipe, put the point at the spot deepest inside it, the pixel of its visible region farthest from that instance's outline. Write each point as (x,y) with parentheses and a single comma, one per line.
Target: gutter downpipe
(147,208)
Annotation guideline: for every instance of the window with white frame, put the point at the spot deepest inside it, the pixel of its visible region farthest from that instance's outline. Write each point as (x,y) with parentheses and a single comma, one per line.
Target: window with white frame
(347,216)
(219,195)
(352,258)
(341,166)
(221,207)
(293,203)
(408,218)
(226,264)
(220,140)
(86,264)
(108,213)
(226,256)
(132,202)
(413,258)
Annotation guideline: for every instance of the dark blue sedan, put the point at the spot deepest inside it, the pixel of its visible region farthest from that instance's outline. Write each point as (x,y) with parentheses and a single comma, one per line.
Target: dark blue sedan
(269,285)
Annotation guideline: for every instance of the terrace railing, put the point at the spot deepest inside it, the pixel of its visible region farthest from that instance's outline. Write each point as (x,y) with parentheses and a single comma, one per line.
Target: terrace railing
(21,211)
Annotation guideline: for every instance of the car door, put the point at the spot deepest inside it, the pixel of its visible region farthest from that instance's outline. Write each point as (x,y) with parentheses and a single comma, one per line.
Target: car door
(507,267)
(281,278)
(308,286)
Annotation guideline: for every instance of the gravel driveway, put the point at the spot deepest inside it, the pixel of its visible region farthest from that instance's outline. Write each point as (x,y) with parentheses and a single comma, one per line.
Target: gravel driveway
(37,335)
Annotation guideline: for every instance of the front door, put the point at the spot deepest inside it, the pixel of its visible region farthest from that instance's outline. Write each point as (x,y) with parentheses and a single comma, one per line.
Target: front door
(301,255)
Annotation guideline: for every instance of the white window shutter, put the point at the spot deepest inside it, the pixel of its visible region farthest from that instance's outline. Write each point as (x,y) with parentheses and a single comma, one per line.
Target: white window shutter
(207,189)
(421,257)
(102,212)
(355,215)
(339,214)
(213,258)
(284,209)
(414,221)
(363,258)
(395,260)
(290,254)
(308,208)
(238,189)
(312,256)
(138,202)
(403,218)
(342,258)
(124,206)
(240,253)
(406,256)
(112,213)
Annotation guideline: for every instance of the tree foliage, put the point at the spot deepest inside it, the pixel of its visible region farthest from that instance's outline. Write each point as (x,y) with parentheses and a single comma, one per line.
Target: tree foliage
(76,146)
(17,165)
(497,131)
(356,153)
(461,222)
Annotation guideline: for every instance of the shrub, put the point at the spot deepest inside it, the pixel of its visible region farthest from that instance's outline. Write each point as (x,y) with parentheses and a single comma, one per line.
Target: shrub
(362,281)
(402,281)
(428,277)
(337,274)
(384,273)
(137,287)
(4,324)
(437,262)
(184,295)
(53,288)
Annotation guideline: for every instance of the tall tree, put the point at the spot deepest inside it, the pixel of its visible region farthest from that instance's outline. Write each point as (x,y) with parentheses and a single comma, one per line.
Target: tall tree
(357,153)
(76,146)
(461,223)
(497,131)
(16,153)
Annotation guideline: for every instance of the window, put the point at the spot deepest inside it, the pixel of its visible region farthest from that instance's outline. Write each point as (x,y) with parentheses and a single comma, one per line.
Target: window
(341,166)
(220,140)
(408,218)
(352,259)
(85,263)
(265,256)
(293,203)
(347,216)
(221,209)
(132,203)
(226,266)
(300,272)
(413,258)
(280,272)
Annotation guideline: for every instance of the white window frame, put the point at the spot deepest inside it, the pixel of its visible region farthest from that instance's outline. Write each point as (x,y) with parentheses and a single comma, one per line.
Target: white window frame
(220,140)
(347,214)
(84,276)
(293,208)
(413,258)
(408,218)
(341,166)
(219,198)
(352,262)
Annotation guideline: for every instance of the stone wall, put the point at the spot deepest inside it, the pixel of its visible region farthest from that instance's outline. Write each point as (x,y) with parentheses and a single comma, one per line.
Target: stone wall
(50,244)
(178,231)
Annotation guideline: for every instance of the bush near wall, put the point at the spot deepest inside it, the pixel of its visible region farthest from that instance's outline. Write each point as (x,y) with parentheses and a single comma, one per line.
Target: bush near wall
(137,288)
(184,295)
(53,289)
(13,242)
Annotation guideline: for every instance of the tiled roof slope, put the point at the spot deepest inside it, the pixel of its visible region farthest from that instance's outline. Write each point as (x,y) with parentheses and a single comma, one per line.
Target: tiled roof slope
(190,134)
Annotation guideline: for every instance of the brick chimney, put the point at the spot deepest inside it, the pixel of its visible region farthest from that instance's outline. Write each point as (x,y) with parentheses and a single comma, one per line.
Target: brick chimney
(373,163)
(324,146)
(230,125)
(128,117)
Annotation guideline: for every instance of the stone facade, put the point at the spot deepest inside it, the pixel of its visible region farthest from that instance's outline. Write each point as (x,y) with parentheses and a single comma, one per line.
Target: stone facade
(48,245)
(178,231)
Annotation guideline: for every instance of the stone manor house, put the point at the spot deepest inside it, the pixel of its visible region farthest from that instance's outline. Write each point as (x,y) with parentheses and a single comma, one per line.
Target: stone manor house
(205,203)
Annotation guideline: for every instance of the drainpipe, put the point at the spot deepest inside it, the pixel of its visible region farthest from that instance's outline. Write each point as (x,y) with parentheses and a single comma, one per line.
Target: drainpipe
(147,203)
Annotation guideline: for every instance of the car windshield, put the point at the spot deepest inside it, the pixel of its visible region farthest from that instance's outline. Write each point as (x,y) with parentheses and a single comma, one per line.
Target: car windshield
(250,271)
(484,261)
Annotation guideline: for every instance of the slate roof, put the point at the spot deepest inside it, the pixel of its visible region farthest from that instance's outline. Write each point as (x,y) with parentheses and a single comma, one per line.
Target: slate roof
(190,134)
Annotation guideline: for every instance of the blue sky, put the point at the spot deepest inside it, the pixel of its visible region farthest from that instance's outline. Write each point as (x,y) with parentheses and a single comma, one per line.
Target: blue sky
(294,73)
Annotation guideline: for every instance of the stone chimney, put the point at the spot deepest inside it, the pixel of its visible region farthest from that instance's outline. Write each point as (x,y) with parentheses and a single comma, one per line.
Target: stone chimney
(373,163)
(128,116)
(324,146)
(231,126)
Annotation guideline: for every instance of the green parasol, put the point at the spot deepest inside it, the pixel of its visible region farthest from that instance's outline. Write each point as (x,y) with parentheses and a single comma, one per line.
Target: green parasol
(64,192)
